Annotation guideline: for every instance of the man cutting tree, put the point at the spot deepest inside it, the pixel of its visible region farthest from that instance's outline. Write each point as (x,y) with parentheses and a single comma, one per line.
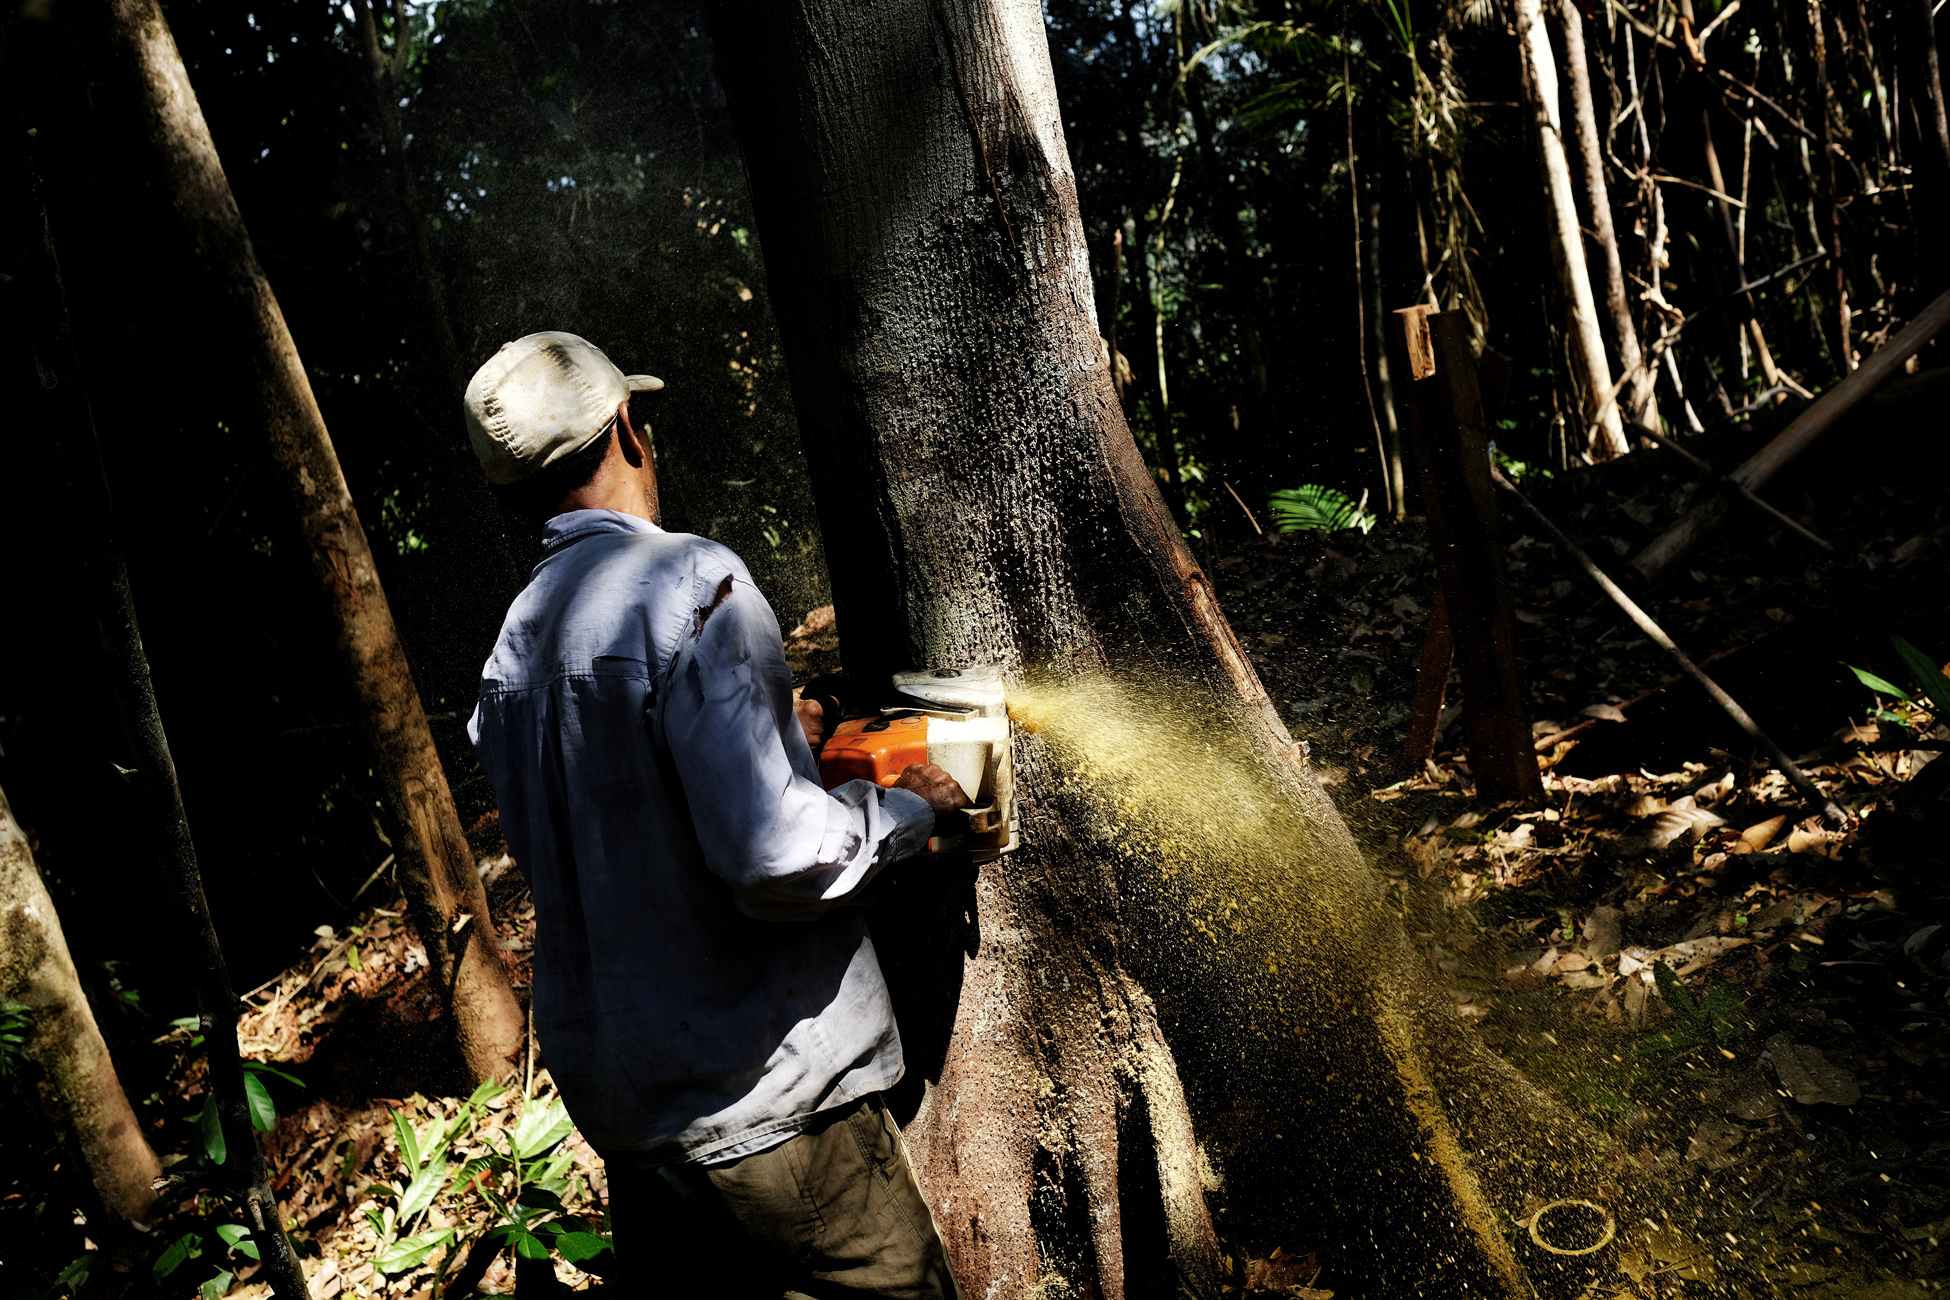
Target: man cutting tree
(711,1007)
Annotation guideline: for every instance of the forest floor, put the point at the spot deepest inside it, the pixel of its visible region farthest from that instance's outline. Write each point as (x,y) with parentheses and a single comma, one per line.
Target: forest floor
(1752,1005)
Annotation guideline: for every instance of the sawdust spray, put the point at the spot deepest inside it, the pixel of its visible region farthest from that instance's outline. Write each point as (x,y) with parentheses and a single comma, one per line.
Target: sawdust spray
(1284,984)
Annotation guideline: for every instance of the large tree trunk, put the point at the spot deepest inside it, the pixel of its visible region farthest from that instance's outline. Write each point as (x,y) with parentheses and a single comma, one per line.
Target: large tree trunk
(444,893)
(1639,377)
(1606,434)
(78,1081)
(984,501)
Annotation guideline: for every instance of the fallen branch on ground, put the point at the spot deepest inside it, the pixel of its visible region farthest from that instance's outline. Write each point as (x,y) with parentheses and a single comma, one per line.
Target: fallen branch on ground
(1741,718)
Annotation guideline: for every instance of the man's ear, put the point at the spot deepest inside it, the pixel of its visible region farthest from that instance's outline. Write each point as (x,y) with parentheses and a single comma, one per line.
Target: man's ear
(634,446)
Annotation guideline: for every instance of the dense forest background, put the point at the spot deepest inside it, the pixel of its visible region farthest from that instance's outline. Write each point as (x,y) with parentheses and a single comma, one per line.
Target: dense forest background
(1262,184)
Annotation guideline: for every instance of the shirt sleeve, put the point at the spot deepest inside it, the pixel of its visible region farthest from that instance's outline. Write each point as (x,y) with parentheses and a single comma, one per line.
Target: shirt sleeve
(723,712)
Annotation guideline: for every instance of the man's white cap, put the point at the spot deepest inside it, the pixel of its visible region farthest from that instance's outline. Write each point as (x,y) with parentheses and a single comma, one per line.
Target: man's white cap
(541,398)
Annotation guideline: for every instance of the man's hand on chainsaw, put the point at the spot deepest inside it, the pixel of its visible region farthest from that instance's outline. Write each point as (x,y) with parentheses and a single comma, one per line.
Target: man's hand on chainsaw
(932,782)
(812,720)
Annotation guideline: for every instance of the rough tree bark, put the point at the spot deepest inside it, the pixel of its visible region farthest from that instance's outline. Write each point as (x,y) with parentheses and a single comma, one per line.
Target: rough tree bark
(1640,377)
(78,1083)
(1606,434)
(443,890)
(982,494)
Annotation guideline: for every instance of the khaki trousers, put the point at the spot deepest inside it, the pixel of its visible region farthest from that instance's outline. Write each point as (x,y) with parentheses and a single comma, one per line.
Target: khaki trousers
(831,1214)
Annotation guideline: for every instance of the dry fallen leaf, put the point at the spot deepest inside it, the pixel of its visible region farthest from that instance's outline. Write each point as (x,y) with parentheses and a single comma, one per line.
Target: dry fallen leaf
(1683,819)
(1810,1077)
(1696,953)
(1283,1274)
(1750,1096)
(1806,841)
(1714,1138)
(1671,1246)
(1761,834)
(1603,931)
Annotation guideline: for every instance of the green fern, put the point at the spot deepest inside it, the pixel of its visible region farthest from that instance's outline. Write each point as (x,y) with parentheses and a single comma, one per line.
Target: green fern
(1316,508)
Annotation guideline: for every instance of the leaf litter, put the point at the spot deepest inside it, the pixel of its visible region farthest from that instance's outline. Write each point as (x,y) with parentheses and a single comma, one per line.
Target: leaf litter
(1752,1005)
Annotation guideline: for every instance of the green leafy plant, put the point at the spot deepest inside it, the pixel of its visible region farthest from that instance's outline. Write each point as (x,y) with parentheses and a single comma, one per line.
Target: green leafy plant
(1928,676)
(1882,686)
(233,1240)
(1933,781)
(1513,469)
(264,1111)
(425,1159)
(15,1022)
(1314,507)
(257,1097)
(524,1185)
(74,1277)
(1715,1018)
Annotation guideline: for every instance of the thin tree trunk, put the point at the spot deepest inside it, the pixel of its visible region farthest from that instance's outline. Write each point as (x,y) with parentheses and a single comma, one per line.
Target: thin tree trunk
(152,773)
(1245,281)
(972,466)
(1597,199)
(386,72)
(1605,434)
(455,475)
(1391,492)
(1935,117)
(444,892)
(78,1084)
(1922,87)
(1749,321)
(1824,110)
(1383,365)
(1117,366)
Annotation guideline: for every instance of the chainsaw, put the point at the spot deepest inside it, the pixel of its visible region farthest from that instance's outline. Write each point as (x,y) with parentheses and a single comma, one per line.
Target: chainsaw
(953,717)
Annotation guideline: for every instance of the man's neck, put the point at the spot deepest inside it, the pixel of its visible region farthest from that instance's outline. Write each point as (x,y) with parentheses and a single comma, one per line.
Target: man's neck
(620,486)
(624,501)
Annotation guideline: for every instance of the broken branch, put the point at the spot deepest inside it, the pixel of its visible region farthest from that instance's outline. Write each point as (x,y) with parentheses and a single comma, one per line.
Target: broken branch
(1796,438)
(1728,705)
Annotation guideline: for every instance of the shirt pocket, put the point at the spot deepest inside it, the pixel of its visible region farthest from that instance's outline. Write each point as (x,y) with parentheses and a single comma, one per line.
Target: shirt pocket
(619,666)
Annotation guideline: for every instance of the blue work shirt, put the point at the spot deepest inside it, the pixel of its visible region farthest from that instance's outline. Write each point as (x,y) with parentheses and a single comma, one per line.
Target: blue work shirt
(699,991)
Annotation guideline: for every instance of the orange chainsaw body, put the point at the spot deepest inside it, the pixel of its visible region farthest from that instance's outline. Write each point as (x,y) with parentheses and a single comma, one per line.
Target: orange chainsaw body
(873,749)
